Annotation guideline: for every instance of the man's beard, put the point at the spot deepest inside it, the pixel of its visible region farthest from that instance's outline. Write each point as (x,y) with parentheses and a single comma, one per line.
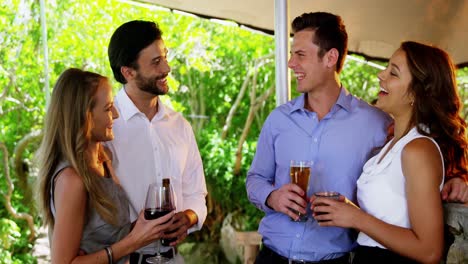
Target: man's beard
(149,85)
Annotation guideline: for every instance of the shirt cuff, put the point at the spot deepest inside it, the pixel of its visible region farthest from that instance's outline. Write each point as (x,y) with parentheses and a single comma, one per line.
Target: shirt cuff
(263,196)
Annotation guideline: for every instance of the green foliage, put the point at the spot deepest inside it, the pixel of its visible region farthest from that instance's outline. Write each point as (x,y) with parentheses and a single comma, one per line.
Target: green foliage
(229,190)
(360,79)
(13,249)
(201,60)
(21,111)
(9,232)
(462,80)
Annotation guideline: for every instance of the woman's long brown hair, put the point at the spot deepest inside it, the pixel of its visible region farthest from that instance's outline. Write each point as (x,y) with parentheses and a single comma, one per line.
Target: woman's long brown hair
(437,103)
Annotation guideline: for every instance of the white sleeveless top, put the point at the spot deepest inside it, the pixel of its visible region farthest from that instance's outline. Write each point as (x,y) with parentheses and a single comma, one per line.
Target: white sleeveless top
(381,187)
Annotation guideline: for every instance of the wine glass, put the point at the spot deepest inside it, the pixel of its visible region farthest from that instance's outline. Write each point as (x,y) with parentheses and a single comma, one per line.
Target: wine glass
(159,202)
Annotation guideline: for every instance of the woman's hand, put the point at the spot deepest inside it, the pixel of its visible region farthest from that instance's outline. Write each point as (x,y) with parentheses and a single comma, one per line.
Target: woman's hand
(331,212)
(143,233)
(147,231)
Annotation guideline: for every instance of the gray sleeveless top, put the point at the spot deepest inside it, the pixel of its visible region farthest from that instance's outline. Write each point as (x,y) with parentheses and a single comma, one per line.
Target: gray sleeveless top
(97,233)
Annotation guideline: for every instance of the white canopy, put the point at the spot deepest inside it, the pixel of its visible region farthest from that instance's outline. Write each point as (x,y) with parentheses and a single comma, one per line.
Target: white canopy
(375,27)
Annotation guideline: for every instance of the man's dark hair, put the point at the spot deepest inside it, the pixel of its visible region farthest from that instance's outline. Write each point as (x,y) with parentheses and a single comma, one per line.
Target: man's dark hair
(330,32)
(127,42)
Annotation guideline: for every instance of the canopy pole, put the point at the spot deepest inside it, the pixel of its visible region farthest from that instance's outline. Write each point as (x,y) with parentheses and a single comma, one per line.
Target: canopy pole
(283,77)
(46,54)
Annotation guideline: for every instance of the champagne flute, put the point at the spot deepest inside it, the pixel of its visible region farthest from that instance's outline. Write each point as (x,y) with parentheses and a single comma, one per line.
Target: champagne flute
(159,202)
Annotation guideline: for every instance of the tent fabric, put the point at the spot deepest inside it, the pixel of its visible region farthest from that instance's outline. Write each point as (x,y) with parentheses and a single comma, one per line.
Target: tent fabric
(375,27)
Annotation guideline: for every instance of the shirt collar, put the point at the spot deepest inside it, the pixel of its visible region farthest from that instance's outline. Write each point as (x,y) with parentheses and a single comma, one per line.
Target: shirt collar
(163,111)
(128,109)
(344,101)
(298,103)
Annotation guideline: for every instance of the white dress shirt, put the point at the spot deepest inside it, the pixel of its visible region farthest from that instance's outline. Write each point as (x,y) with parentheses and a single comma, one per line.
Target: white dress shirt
(146,151)
(381,188)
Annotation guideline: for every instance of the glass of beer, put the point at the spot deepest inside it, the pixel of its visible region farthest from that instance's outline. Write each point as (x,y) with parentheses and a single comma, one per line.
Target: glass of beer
(328,195)
(300,174)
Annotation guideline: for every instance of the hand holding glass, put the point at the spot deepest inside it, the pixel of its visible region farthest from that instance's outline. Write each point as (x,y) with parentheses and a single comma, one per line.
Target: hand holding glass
(300,174)
(159,202)
(328,195)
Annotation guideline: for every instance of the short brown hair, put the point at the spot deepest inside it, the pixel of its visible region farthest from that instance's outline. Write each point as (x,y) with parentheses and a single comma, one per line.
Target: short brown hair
(330,32)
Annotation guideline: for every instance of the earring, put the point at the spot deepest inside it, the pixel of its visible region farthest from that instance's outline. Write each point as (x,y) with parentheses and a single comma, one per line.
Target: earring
(412,103)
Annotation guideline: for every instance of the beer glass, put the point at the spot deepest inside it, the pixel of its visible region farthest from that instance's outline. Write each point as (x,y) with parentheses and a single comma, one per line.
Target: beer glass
(300,174)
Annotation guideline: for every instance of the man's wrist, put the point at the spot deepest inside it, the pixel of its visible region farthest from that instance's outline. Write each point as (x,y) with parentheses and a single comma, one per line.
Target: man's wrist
(266,201)
(192,217)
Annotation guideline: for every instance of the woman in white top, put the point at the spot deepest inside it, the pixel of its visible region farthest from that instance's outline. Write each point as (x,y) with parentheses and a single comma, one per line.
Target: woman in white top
(401,215)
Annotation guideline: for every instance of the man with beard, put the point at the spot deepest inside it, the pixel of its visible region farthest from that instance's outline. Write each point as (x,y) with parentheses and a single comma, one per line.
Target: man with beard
(152,141)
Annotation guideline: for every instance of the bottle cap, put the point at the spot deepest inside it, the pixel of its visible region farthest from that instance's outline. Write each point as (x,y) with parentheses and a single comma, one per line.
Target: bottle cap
(166,181)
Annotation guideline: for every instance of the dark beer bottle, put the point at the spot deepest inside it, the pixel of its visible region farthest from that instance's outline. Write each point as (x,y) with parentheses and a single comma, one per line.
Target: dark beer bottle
(166,182)
(170,199)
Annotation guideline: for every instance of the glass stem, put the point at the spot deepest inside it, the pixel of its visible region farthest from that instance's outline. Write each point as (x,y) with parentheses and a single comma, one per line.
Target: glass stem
(158,248)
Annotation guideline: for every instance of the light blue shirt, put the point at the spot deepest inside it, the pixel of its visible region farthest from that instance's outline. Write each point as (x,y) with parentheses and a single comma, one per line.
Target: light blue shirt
(338,146)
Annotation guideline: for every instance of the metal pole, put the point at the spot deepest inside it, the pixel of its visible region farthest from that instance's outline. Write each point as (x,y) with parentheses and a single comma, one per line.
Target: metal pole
(46,54)
(283,77)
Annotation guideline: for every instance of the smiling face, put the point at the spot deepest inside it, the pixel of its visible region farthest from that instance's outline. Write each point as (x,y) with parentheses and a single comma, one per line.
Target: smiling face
(153,69)
(103,113)
(394,96)
(309,69)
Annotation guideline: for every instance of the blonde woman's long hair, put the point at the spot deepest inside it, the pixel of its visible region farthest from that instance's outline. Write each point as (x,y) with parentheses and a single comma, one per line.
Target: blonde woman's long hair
(67,133)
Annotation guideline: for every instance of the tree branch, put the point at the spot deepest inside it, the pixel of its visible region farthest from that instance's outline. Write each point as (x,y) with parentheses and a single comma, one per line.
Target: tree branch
(232,111)
(254,105)
(27,217)
(21,171)
(20,106)
(257,65)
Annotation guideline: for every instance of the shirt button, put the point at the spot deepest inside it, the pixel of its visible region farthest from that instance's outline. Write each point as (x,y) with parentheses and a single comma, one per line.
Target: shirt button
(315,140)
(298,236)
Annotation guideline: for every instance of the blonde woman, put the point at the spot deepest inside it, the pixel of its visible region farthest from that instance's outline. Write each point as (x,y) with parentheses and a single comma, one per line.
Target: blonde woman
(82,202)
